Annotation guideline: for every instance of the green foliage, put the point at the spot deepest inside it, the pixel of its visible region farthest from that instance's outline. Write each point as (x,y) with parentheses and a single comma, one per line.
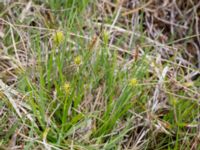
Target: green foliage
(68,4)
(81,92)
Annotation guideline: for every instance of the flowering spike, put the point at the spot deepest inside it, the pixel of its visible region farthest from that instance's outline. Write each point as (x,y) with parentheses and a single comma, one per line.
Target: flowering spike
(78,60)
(133,82)
(67,88)
(58,38)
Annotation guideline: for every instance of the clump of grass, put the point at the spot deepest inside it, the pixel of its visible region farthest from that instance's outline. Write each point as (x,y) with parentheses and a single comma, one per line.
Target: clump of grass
(91,85)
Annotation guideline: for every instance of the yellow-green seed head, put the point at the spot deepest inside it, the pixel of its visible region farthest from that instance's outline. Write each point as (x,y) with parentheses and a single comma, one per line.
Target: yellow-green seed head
(78,60)
(58,38)
(67,88)
(133,82)
(106,36)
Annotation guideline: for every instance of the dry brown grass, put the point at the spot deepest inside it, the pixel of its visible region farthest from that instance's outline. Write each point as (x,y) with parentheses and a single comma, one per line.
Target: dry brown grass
(166,33)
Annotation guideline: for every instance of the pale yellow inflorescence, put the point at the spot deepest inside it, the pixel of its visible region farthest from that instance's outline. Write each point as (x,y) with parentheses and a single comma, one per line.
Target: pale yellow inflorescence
(67,88)
(58,37)
(78,60)
(133,82)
